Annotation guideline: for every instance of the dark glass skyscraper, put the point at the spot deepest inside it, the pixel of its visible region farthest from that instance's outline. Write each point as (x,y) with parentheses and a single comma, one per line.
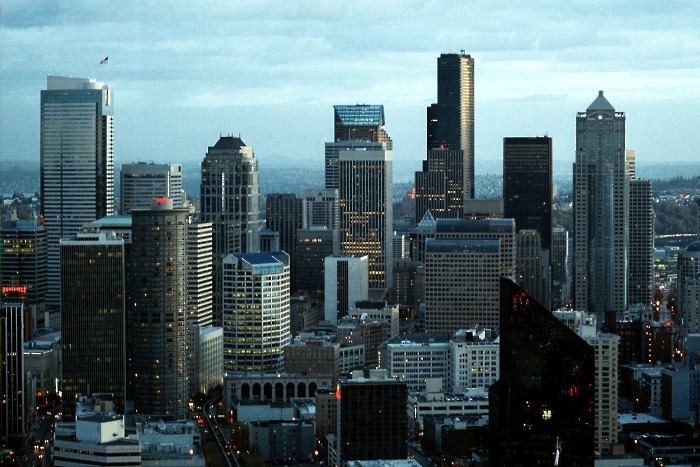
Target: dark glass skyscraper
(450,122)
(527,185)
(546,391)
(284,215)
(93,318)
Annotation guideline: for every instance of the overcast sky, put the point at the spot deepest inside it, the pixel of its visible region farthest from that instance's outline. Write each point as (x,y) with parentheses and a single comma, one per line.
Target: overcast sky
(183,73)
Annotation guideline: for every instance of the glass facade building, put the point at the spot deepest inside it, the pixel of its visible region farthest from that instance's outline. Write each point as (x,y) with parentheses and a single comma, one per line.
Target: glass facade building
(601,190)
(77,163)
(545,396)
(93,338)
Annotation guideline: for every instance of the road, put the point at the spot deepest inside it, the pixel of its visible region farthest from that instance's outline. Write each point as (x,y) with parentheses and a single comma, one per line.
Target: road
(220,432)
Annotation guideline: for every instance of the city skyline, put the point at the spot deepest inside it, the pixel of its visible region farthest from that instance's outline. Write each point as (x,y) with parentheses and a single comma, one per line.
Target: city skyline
(275,82)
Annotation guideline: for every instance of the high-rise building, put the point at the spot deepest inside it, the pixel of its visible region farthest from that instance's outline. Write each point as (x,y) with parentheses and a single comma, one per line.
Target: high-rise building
(141,182)
(346,283)
(450,121)
(689,290)
(93,322)
(313,245)
(561,273)
(440,185)
(24,262)
(532,269)
(640,256)
(461,284)
(12,375)
(543,402)
(320,209)
(527,185)
(157,313)
(601,188)
(199,273)
(354,123)
(372,419)
(284,215)
(77,163)
(256,311)
(230,200)
(365,206)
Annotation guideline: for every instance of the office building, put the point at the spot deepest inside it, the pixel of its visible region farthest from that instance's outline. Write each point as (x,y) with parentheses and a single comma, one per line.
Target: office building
(561,271)
(532,269)
(461,284)
(372,419)
(284,215)
(313,356)
(606,351)
(545,395)
(354,123)
(230,200)
(208,361)
(689,290)
(141,182)
(366,207)
(93,323)
(450,121)
(199,273)
(601,188)
(527,185)
(158,367)
(474,360)
(313,245)
(440,185)
(640,257)
(415,358)
(320,209)
(346,283)
(23,254)
(77,163)
(256,311)
(13,408)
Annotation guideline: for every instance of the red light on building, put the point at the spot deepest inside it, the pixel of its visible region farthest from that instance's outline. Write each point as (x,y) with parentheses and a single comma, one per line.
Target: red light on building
(161,200)
(337,392)
(20,289)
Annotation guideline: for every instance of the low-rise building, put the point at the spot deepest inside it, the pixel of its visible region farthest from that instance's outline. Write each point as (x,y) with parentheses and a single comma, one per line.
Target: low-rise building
(95,440)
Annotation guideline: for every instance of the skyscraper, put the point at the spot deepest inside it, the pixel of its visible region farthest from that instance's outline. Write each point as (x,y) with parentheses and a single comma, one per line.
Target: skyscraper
(256,311)
(346,283)
(545,396)
(77,162)
(199,273)
(440,185)
(689,290)
(284,215)
(450,121)
(640,273)
(561,274)
(156,317)
(93,335)
(24,262)
(601,188)
(358,122)
(141,182)
(365,206)
(12,374)
(230,200)
(313,245)
(527,185)
(320,209)
(533,266)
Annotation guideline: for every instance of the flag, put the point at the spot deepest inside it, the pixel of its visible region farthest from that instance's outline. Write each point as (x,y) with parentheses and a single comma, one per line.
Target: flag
(104,61)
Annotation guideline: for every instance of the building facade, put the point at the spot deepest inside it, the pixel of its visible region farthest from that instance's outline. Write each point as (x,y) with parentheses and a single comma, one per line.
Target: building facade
(601,191)
(256,311)
(158,363)
(313,246)
(230,200)
(346,283)
(640,273)
(12,375)
(284,215)
(200,264)
(689,290)
(93,337)
(320,209)
(141,182)
(77,162)
(450,121)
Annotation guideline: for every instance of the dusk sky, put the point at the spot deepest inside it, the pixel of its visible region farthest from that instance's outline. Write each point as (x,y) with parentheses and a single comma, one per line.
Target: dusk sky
(183,73)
